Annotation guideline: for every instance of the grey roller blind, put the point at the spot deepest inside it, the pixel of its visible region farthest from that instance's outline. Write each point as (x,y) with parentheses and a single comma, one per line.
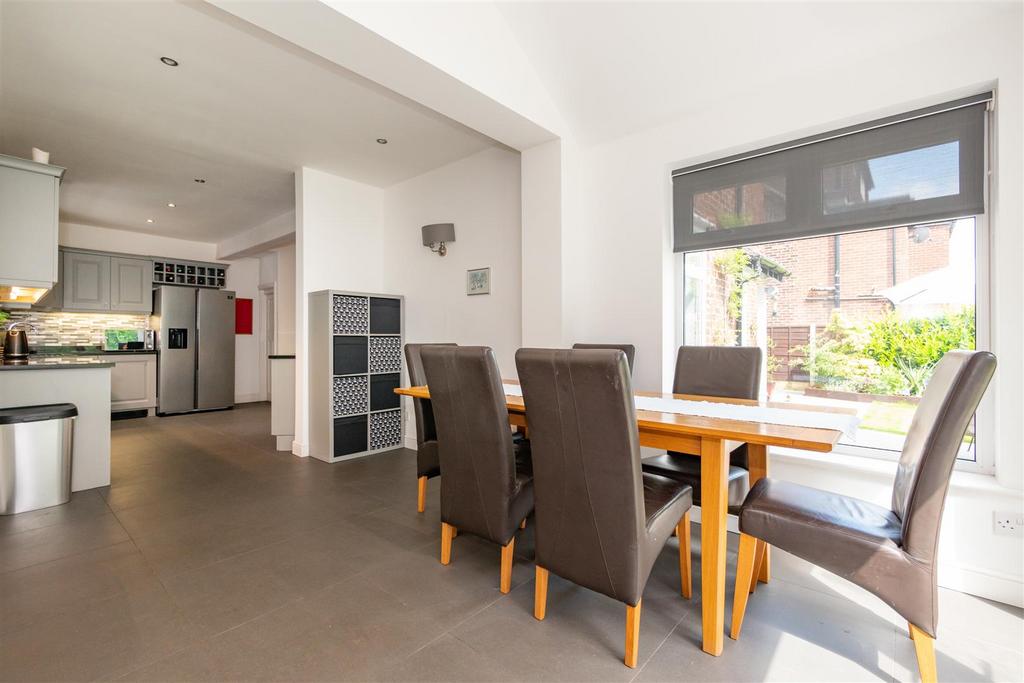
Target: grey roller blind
(921,166)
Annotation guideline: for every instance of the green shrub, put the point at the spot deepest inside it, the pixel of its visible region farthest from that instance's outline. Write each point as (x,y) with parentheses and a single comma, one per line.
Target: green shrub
(890,355)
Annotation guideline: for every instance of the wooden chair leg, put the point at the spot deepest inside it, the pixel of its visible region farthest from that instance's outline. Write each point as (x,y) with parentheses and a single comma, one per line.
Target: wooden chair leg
(540,594)
(632,634)
(447,534)
(522,525)
(685,562)
(924,645)
(760,555)
(506,566)
(421,494)
(744,573)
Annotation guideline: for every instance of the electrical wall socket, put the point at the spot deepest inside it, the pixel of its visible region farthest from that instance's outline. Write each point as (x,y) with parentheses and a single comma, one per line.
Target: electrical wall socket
(1008,523)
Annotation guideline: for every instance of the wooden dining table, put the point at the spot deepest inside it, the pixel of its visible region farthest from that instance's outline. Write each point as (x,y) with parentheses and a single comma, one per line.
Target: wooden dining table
(709,438)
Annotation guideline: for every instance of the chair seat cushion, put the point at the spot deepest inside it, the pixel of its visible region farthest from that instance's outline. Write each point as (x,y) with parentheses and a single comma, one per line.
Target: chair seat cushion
(789,515)
(852,538)
(686,469)
(665,501)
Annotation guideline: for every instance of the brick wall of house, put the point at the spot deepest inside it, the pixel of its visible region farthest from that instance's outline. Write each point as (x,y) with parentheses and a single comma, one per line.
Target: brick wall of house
(806,297)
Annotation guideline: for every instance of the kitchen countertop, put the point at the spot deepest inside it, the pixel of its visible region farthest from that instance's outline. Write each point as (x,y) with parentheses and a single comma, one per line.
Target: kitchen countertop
(83,351)
(53,363)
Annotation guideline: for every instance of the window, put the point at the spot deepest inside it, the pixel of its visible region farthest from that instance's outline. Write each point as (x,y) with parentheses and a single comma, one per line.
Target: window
(855,259)
(855,320)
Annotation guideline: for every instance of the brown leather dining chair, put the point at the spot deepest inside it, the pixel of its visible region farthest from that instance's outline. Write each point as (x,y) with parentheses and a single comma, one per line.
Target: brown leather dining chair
(427,463)
(888,551)
(715,371)
(627,349)
(483,491)
(600,522)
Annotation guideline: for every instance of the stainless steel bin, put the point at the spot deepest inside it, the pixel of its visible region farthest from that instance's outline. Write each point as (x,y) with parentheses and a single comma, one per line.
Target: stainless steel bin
(35,456)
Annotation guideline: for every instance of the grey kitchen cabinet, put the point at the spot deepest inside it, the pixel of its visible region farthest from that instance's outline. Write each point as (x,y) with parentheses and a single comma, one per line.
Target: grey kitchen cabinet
(86,281)
(29,196)
(132,381)
(131,285)
(53,300)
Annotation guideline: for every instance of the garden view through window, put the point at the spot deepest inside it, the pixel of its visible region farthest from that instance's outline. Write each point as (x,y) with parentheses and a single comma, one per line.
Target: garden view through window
(858,319)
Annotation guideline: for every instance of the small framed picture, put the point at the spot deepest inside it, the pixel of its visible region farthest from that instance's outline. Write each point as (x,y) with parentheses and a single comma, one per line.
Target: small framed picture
(478,281)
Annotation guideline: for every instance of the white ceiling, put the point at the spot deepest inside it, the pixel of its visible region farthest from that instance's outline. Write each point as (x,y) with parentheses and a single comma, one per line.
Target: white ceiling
(619,67)
(243,110)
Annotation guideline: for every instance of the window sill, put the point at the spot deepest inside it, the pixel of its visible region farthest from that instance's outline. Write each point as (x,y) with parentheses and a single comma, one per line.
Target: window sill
(969,483)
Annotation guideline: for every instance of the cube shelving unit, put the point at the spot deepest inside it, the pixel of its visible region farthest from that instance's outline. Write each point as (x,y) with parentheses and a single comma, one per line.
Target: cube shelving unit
(355,364)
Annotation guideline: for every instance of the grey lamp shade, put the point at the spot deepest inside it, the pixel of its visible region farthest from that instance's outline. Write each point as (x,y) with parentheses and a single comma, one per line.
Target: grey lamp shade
(438,232)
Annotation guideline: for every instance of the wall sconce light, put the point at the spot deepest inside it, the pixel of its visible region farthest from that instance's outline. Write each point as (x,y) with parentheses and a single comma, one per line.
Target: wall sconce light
(437,235)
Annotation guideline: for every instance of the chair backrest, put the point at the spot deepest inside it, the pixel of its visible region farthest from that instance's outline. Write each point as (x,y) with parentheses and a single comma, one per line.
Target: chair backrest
(725,371)
(588,489)
(425,429)
(627,349)
(933,441)
(473,438)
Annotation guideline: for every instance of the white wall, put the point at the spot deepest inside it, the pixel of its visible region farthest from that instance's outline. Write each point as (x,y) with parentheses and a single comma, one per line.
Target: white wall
(337,246)
(244,278)
(359,238)
(124,242)
(271,233)
(285,299)
(480,195)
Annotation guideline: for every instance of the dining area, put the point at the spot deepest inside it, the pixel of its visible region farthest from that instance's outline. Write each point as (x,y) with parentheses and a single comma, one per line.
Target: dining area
(607,476)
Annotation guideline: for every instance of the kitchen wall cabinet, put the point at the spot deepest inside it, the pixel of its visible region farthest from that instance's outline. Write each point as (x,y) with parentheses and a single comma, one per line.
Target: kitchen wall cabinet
(131,285)
(86,281)
(103,282)
(29,195)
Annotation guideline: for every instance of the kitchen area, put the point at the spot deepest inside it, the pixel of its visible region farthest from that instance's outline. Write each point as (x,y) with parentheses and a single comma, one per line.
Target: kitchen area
(110,335)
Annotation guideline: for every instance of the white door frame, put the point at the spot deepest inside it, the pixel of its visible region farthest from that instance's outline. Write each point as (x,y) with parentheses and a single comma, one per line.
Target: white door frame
(268,323)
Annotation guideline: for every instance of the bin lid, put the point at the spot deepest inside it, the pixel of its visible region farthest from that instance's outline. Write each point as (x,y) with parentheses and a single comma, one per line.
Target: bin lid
(51,411)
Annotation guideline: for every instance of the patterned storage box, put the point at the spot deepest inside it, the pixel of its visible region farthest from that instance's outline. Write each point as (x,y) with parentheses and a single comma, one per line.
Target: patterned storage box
(350,314)
(351,395)
(385,429)
(385,354)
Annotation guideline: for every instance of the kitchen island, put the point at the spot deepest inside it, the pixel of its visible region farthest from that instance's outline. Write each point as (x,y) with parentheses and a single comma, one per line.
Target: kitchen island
(82,381)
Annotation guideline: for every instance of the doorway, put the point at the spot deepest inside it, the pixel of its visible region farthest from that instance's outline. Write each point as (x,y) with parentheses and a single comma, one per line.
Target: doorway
(268,340)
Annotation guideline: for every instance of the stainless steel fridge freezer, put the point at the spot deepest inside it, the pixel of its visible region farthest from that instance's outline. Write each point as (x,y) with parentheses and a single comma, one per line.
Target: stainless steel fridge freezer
(195,330)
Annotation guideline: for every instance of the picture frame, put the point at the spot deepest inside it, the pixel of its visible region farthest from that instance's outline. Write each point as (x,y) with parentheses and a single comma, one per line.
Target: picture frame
(478,281)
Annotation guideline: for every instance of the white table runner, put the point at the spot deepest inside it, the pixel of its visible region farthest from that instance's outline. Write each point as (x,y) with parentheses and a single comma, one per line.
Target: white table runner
(847,424)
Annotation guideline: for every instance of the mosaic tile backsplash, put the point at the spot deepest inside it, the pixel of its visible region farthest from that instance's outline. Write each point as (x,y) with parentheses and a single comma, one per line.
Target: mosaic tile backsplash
(54,328)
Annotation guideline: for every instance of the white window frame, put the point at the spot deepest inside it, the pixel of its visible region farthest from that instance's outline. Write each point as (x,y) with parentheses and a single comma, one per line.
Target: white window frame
(985,425)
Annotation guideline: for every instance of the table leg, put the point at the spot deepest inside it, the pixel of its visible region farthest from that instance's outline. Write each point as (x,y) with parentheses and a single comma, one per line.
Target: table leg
(757,463)
(714,478)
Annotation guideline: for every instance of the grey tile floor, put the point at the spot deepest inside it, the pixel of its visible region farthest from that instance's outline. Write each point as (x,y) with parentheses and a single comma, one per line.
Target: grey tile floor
(213,558)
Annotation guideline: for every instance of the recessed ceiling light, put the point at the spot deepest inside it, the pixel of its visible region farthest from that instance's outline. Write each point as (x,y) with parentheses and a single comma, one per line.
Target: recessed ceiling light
(382,141)
(200,180)
(149,220)
(170,205)
(169,61)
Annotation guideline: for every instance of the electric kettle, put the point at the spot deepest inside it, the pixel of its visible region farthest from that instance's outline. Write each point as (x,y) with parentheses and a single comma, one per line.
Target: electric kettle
(16,343)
